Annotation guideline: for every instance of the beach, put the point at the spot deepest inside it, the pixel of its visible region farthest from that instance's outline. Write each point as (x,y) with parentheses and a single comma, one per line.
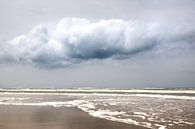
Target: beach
(48,117)
(108,110)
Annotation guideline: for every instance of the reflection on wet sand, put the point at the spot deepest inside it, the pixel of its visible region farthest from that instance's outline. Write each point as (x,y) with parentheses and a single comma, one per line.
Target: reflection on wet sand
(34,117)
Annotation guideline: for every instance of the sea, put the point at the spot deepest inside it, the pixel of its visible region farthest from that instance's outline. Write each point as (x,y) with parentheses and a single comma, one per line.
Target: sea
(152,108)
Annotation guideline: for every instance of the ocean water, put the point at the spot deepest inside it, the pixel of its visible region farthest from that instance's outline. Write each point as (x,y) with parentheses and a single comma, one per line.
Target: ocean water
(156,109)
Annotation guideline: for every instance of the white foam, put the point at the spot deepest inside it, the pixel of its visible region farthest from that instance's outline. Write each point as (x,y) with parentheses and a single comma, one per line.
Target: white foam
(146,124)
(117,93)
(166,96)
(113,103)
(101,113)
(91,102)
(141,113)
(54,104)
(140,116)
(86,106)
(192,91)
(73,103)
(183,122)
(160,126)
(189,123)
(109,115)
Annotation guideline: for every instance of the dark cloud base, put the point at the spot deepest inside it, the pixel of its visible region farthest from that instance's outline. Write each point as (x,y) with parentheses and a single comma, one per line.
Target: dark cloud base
(74,40)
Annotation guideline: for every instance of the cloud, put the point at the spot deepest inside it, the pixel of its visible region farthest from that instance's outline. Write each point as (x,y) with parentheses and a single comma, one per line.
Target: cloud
(74,40)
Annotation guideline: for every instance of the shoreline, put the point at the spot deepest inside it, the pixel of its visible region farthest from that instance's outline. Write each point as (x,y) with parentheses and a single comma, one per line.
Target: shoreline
(48,117)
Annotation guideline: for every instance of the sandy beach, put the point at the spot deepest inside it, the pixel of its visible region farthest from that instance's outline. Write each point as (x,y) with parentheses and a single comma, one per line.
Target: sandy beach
(34,117)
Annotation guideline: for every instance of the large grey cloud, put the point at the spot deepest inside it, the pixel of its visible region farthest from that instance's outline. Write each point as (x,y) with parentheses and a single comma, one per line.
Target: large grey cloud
(75,40)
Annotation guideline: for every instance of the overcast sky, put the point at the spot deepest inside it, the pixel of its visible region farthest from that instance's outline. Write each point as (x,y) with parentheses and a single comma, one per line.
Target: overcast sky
(97,43)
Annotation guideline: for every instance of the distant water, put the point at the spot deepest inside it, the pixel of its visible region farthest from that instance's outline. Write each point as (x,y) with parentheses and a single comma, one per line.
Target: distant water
(153,108)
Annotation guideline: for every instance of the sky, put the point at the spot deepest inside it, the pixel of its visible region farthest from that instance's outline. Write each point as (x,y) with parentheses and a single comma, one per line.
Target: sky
(97,43)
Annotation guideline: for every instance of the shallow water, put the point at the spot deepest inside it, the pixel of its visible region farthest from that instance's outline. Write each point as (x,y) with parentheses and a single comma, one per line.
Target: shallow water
(157,109)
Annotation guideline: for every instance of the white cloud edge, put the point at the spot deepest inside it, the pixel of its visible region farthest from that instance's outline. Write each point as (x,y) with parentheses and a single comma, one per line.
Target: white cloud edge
(77,39)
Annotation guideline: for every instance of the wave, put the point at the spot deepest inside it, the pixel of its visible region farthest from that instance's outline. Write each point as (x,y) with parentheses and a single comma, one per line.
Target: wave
(138,109)
(140,94)
(84,106)
(90,90)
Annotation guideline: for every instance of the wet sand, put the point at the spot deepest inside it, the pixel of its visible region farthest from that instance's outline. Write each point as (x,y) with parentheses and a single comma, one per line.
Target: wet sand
(34,117)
